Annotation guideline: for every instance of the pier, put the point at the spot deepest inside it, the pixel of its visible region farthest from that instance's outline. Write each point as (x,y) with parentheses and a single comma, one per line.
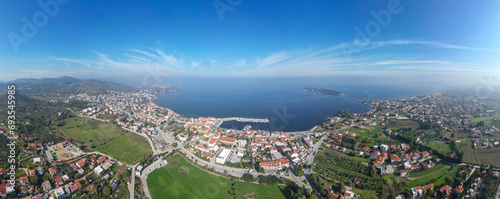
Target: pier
(240,119)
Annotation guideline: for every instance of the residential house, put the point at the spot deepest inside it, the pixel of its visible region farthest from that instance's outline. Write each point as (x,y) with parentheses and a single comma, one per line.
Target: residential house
(417,192)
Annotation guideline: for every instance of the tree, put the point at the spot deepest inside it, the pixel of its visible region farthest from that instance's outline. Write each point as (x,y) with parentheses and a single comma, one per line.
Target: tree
(106,190)
(248,178)
(448,180)
(272,180)
(262,179)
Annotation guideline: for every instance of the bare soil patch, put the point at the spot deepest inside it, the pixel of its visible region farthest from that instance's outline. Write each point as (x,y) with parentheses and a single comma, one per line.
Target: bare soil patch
(173,163)
(184,170)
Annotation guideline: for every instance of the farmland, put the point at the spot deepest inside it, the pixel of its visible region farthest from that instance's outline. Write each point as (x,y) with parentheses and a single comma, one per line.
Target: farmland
(169,182)
(426,179)
(465,146)
(428,171)
(344,169)
(488,156)
(440,146)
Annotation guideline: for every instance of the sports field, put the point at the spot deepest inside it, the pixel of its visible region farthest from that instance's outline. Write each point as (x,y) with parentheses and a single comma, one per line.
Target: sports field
(180,179)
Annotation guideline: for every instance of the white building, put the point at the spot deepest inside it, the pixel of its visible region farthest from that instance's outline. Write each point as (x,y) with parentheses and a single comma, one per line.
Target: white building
(59,193)
(222,157)
(407,165)
(98,170)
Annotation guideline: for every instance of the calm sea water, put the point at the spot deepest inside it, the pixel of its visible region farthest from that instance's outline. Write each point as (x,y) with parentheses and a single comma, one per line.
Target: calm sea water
(285,104)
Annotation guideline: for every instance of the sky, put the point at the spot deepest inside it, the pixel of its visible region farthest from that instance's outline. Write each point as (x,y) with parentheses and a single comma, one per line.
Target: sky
(153,40)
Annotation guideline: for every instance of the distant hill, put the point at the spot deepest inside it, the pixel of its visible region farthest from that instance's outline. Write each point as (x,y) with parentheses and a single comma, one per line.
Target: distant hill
(64,86)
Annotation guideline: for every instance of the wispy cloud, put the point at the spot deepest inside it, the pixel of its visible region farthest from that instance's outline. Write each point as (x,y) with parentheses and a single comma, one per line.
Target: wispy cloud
(310,62)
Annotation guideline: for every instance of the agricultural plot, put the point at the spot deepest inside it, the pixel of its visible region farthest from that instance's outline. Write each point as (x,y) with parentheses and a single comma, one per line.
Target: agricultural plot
(489,156)
(428,171)
(344,169)
(451,173)
(425,180)
(180,179)
(399,124)
(337,153)
(466,147)
(440,146)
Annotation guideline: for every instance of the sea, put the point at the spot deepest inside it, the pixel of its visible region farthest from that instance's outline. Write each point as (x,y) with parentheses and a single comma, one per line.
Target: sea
(282,101)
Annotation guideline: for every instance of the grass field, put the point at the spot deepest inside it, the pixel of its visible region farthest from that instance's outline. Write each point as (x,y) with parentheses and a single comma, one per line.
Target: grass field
(366,193)
(428,171)
(108,139)
(489,156)
(128,148)
(466,146)
(168,182)
(92,132)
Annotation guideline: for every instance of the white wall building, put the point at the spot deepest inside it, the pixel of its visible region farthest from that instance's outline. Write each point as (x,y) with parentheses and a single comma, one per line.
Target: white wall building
(222,157)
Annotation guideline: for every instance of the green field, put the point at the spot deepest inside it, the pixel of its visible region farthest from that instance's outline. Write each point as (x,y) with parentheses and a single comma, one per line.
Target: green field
(428,171)
(169,182)
(92,132)
(337,153)
(466,147)
(425,180)
(371,132)
(128,148)
(108,139)
(452,173)
(366,193)
(486,120)
(440,146)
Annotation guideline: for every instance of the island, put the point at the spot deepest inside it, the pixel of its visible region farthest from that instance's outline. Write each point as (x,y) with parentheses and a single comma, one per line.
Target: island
(323,91)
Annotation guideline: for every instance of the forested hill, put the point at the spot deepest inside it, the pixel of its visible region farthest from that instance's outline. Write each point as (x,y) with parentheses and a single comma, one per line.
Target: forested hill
(63,87)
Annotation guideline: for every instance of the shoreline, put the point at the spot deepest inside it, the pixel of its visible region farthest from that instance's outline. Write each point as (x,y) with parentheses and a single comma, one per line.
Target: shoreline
(154,97)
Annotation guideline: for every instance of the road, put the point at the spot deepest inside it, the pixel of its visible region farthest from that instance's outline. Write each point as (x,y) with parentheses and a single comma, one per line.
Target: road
(151,144)
(237,172)
(315,148)
(131,187)
(144,175)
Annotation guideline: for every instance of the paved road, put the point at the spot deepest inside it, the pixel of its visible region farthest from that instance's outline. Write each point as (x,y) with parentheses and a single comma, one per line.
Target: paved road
(237,172)
(315,148)
(131,187)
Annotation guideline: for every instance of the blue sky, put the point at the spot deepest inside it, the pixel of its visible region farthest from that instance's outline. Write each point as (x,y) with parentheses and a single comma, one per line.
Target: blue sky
(251,38)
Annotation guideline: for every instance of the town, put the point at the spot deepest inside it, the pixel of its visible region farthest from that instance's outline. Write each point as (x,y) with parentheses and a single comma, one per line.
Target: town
(407,148)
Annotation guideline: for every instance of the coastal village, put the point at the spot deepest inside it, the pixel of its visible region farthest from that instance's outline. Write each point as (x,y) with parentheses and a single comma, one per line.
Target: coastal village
(398,141)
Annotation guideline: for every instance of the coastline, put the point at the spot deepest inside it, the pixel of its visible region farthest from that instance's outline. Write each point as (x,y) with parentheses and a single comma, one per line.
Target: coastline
(372,109)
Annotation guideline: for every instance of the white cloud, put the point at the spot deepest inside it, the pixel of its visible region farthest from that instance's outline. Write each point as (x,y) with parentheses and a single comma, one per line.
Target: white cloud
(333,60)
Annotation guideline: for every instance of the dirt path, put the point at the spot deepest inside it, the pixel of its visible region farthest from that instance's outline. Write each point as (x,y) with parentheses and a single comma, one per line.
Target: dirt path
(446,167)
